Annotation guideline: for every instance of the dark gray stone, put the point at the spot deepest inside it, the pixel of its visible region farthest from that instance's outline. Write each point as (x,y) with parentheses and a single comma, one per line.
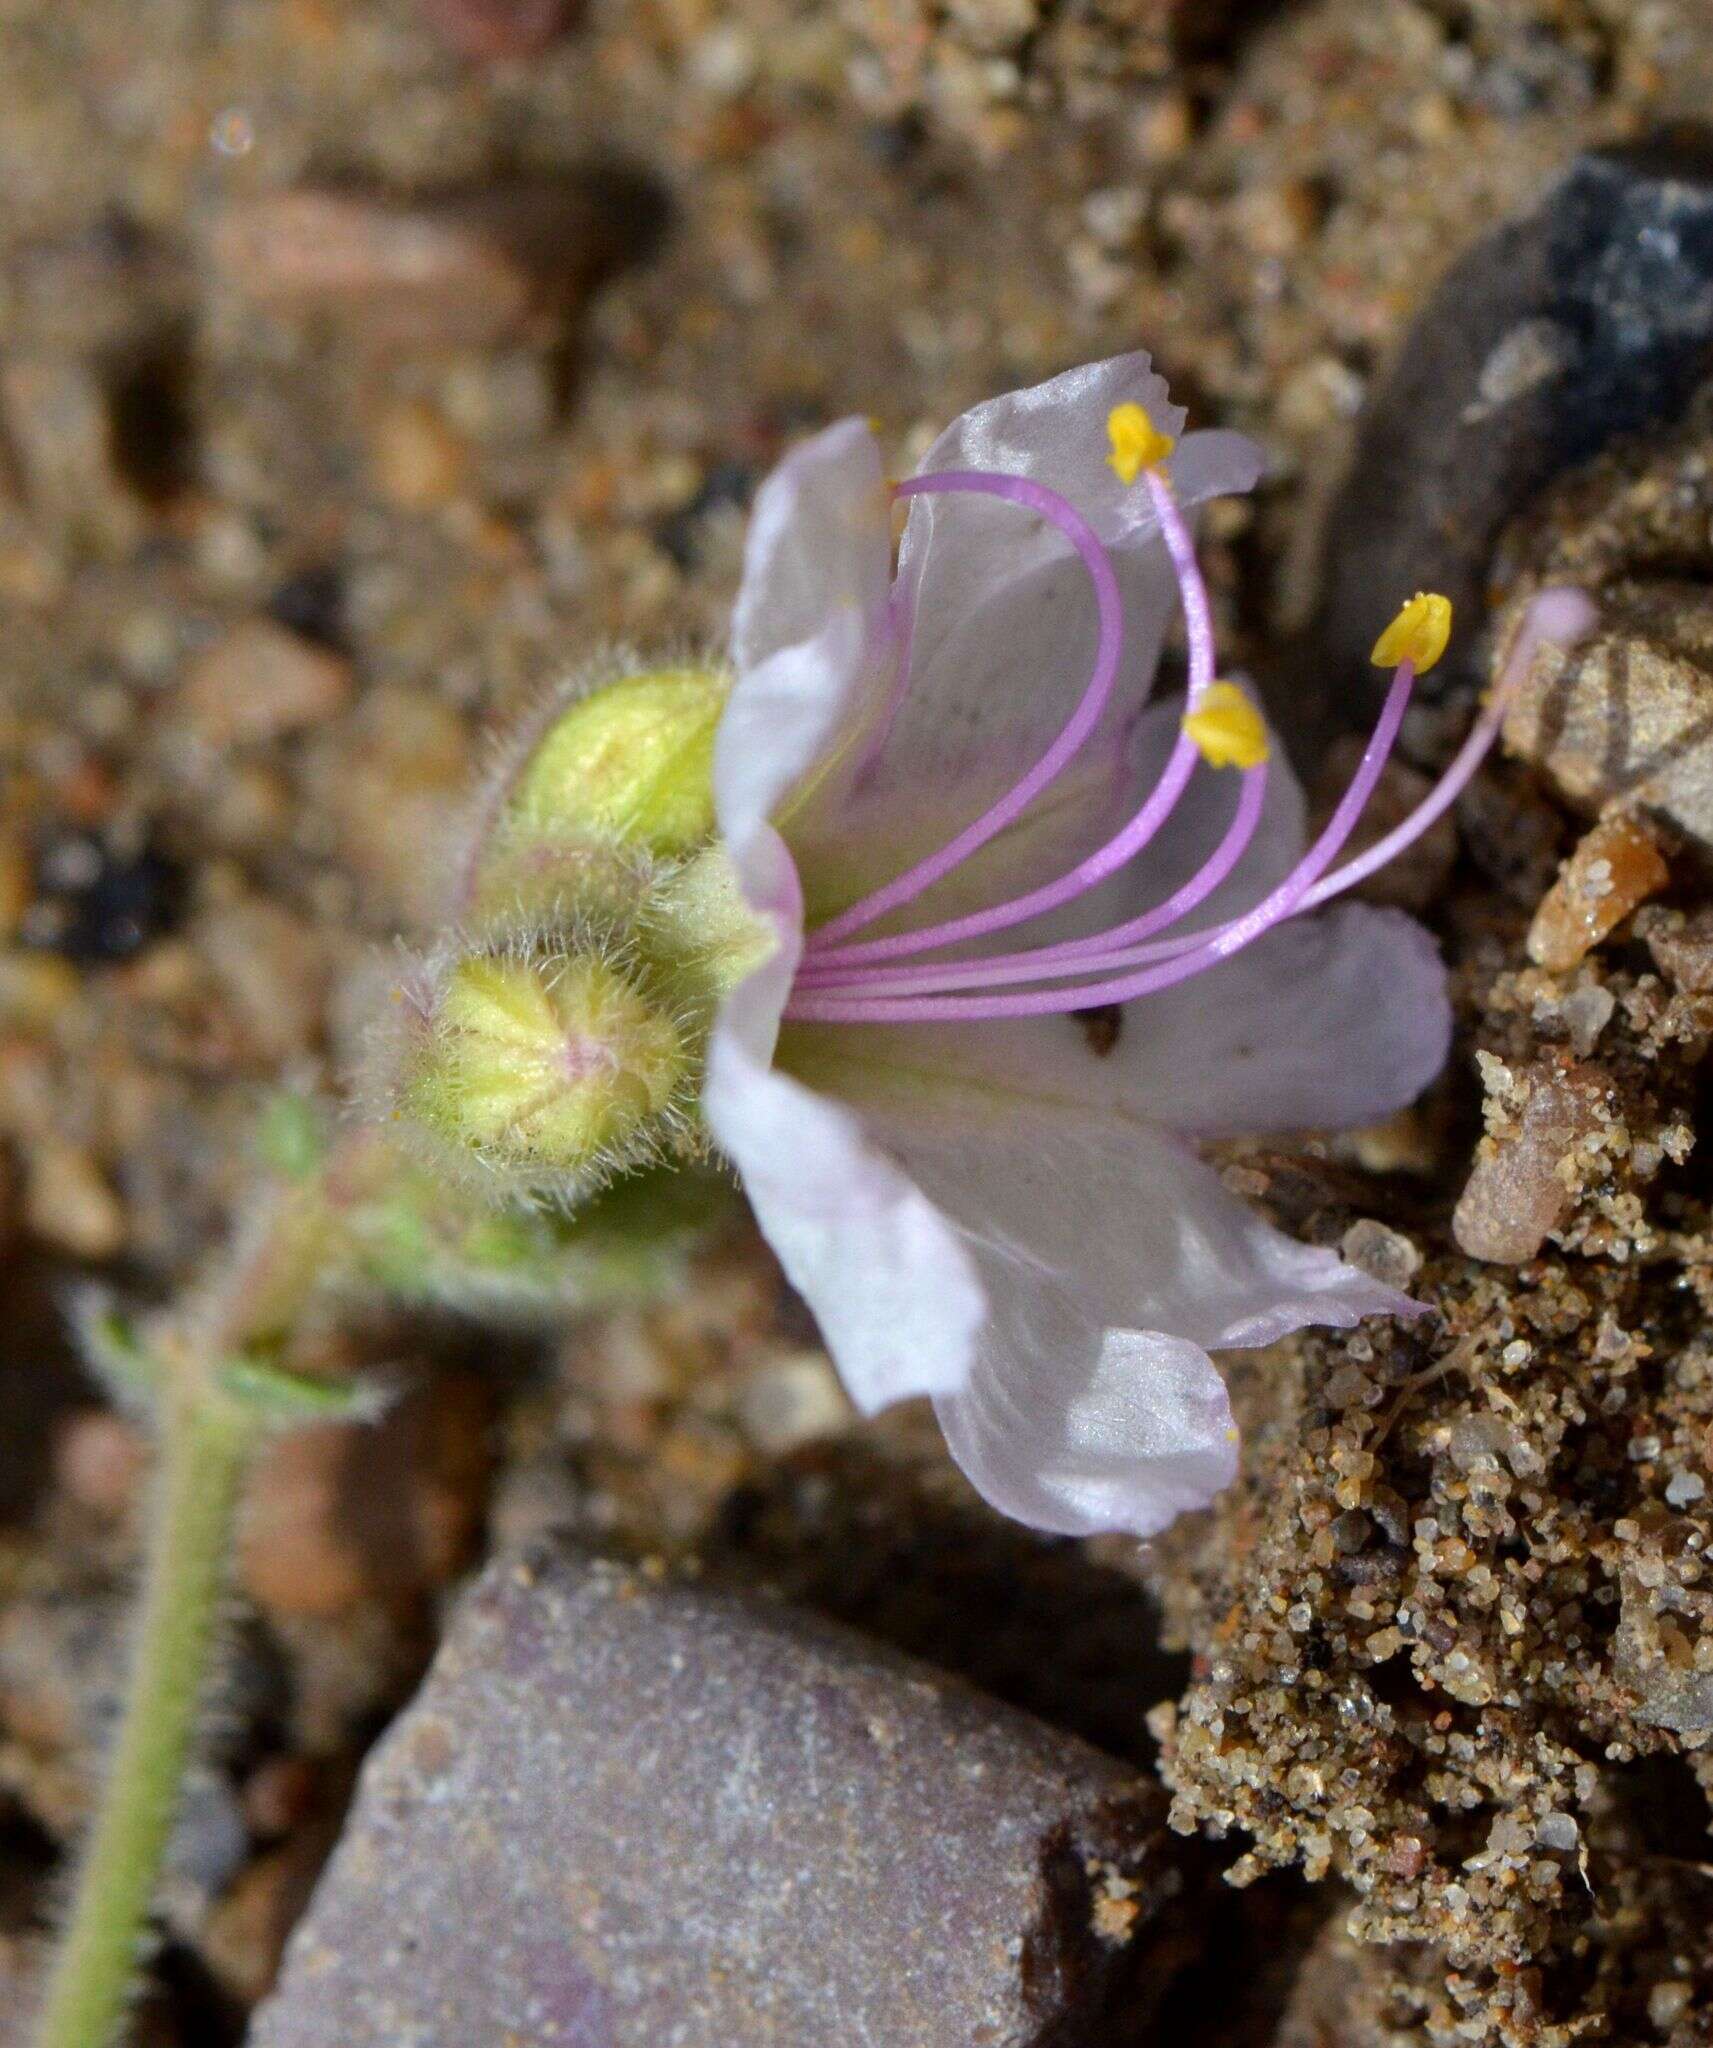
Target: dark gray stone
(1590,319)
(635,1812)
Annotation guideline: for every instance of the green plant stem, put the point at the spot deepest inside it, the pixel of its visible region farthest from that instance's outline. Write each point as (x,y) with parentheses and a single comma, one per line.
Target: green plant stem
(204,1446)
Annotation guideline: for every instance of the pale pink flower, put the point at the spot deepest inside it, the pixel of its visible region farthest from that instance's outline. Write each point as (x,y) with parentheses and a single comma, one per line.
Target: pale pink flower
(983,1198)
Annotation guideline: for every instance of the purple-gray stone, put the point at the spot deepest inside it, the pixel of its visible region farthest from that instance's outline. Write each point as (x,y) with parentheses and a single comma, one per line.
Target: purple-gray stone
(631,1811)
(1550,338)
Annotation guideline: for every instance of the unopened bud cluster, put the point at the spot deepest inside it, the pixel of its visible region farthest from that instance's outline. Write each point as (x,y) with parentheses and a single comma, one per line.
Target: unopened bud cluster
(556,1040)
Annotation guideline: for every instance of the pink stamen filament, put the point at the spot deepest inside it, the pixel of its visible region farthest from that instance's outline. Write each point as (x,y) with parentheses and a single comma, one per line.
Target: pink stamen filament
(848,984)
(1106,860)
(1068,954)
(872,1007)
(1109,652)
(1562,617)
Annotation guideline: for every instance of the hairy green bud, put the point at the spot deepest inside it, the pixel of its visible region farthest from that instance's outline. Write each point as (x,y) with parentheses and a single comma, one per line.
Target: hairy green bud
(598,797)
(632,762)
(696,923)
(552,1069)
(558,1039)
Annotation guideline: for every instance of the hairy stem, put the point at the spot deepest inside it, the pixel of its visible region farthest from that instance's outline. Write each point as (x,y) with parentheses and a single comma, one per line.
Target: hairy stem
(204,1444)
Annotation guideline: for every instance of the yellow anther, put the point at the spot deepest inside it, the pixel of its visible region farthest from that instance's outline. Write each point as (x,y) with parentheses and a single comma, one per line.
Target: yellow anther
(1226,729)
(1418,634)
(1137,444)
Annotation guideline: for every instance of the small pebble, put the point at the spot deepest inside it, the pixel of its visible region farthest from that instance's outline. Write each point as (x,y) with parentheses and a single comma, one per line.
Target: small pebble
(69,1204)
(447,273)
(494,31)
(97,901)
(260,682)
(244,1936)
(367,1512)
(398,791)
(280,1794)
(416,460)
(1518,1192)
(1558,1831)
(793,1401)
(1682,946)
(1668,2002)
(1586,1012)
(101,1460)
(1615,868)
(271,968)
(1348,1387)
(312,604)
(1384,1254)
(16,886)
(57,421)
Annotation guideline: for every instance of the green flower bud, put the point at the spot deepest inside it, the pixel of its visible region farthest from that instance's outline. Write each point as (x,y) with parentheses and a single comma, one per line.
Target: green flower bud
(528,881)
(551,1069)
(698,925)
(600,794)
(631,761)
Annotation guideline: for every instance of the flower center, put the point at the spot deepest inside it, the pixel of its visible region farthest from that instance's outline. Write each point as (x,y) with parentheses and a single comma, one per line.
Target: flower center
(843,979)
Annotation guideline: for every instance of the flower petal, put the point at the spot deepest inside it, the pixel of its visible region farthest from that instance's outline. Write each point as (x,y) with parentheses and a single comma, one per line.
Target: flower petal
(811,636)
(1109,1260)
(890,1283)
(1056,433)
(1179,850)
(1121,1218)
(1146,1437)
(882,826)
(1327,1023)
(1002,624)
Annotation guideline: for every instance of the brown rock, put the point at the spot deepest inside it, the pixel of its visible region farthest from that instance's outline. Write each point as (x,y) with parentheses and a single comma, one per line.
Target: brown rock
(280,1795)
(55,418)
(260,682)
(1526,1172)
(1615,868)
(273,971)
(245,1935)
(359,1512)
(491,31)
(101,1460)
(17,884)
(1627,717)
(461,271)
(69,1204)
(1383,1253)
(416,460)
(1682,946)
(628,1811)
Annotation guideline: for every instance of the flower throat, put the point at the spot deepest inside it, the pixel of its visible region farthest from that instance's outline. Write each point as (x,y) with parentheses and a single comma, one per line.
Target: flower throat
(844,979)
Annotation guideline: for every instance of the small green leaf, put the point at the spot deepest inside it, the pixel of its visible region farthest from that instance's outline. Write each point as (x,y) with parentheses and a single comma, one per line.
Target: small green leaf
(278,1399)
(111,1347)
(289,1137)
